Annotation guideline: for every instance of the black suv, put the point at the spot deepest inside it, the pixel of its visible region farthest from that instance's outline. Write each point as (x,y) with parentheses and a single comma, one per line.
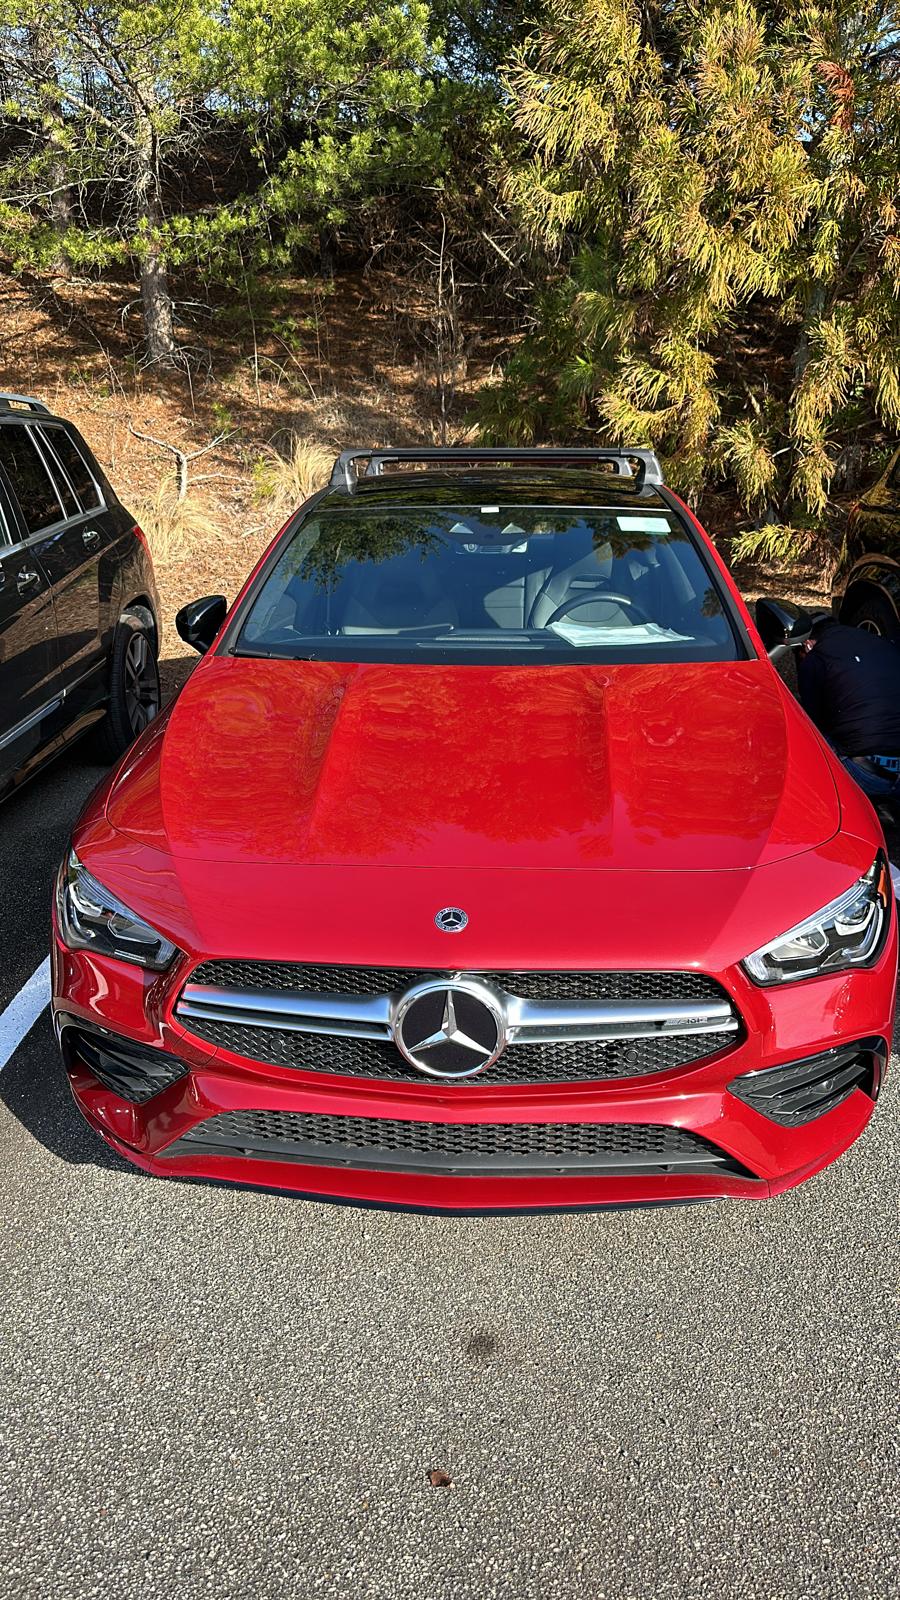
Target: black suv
(79,637)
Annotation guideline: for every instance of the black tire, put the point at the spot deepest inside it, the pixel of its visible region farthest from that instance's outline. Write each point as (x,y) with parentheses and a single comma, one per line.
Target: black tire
(874,614)
(134,693)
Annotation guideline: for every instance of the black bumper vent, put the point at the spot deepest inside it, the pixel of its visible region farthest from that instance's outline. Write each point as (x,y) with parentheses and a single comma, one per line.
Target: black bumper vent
(804,1090)
(637,987)
(132,1071)
(569,1062)
(473,1149)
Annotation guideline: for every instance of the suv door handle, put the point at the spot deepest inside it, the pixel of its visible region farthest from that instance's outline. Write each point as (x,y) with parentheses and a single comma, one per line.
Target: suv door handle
(26,578)
(90,537)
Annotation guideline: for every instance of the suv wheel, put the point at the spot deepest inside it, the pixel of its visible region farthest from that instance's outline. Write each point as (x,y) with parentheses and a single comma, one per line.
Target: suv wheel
(874,614)
(134,693)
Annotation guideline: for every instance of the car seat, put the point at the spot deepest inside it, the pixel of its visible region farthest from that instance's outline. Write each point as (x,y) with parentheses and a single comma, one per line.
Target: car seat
(394,599)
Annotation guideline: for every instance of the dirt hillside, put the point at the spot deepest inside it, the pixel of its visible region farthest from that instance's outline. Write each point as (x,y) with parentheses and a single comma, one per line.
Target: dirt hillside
(329,362)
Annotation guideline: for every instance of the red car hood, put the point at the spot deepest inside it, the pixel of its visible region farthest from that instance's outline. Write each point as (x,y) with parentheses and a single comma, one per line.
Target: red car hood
(678,767)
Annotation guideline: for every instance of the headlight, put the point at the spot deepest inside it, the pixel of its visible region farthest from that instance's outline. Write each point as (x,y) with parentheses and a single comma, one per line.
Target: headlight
(90,918)
(850,932)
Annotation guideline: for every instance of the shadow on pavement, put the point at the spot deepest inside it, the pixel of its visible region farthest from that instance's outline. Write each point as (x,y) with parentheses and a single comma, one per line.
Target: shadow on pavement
(174,672)
(33,1086)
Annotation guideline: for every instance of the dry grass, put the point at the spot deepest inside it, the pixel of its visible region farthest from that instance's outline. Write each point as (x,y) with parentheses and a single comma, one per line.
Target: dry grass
(176,529)
(361,339)
(283,479)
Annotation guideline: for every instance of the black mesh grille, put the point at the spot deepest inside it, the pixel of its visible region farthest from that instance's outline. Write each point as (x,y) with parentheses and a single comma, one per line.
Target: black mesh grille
(458,1147)
(624,986)
(571,1062)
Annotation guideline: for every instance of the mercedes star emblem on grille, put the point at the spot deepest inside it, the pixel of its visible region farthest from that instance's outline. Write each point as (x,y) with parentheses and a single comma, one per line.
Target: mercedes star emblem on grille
(451,919)
(450,1030)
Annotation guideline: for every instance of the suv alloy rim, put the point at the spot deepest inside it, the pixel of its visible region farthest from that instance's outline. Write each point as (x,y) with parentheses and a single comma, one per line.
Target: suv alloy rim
(141,685)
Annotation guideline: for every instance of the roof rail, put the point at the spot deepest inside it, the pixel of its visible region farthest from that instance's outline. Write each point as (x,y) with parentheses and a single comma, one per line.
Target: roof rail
(345,476)
(8,401)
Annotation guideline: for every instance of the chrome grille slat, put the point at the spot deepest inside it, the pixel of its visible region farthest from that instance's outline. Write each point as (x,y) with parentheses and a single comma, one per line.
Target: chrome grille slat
(529,1021)
(586,1035)
(287,1024)
(543,1022)
(364,1017)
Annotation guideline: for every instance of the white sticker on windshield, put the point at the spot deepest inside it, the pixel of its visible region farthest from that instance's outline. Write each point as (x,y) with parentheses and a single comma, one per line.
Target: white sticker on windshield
(643,524)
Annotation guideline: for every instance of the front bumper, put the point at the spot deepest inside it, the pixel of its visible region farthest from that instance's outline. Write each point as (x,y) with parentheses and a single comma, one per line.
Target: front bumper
(740,1152)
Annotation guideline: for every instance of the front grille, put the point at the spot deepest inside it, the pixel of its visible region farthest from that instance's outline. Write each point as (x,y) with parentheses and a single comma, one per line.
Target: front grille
(801,1091)
(477,1149)
(562,1027)
(571,1062)
(637,987)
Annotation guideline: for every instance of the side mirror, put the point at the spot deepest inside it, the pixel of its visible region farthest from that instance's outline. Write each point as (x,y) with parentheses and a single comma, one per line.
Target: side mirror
(199,622)
(781,623)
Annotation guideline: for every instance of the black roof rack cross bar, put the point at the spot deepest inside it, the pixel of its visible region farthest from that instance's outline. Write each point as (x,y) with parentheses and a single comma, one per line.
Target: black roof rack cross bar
(8,401)
(649,471)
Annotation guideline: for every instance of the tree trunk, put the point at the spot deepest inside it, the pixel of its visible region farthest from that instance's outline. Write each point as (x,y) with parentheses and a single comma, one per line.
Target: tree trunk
(812,314)
(60,198)
(60,214)
(156,302)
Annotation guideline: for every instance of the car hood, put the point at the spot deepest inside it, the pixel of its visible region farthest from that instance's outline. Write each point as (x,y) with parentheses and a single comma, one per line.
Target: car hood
(684,766)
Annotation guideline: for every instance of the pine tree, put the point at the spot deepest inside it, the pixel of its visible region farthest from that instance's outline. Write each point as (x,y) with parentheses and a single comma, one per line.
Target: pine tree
(717,188)
(116,103)
(121,87)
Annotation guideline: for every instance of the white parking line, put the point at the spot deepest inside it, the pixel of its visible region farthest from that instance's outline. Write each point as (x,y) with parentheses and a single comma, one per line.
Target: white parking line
(23,1011)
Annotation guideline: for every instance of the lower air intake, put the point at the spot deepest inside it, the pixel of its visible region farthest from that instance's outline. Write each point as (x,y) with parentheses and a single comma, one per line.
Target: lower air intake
(134,1072)
(472,1149)
(804,1090)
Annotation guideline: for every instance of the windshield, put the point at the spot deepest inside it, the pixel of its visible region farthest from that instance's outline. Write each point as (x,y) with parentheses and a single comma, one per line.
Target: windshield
(484,584)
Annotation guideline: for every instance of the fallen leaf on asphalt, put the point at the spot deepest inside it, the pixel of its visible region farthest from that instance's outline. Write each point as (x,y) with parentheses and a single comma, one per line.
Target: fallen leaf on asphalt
(438,1479)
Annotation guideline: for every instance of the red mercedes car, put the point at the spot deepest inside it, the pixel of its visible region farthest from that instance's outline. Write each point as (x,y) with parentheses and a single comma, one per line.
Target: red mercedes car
(484,863)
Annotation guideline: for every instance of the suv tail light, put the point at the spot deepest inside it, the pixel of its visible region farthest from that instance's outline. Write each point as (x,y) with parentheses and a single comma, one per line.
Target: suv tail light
(139,533)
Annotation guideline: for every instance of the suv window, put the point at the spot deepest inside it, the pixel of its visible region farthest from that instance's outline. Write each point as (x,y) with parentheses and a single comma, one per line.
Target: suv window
(75,466)
(480,583)
(38,500)
(61,484)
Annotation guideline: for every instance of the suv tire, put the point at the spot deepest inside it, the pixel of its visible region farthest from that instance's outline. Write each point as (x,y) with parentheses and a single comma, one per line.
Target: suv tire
(875,614)
(134,692)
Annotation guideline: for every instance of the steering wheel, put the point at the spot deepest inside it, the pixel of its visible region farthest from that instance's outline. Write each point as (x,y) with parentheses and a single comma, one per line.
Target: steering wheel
(573,601)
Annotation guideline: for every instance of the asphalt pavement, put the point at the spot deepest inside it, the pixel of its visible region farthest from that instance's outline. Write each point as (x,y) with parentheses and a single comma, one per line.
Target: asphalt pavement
(214,1391)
